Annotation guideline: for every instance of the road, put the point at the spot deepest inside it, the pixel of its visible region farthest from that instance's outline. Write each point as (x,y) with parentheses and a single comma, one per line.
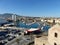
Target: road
(14,40)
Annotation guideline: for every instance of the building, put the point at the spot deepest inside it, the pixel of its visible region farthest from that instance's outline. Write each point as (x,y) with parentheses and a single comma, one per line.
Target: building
(53,37)
(42,40)
(14,17)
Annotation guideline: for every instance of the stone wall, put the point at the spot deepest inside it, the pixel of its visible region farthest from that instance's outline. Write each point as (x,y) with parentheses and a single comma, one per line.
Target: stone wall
(54,35)
(41,41)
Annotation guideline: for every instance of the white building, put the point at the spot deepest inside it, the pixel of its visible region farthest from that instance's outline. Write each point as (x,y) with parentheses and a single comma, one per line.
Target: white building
(14,17)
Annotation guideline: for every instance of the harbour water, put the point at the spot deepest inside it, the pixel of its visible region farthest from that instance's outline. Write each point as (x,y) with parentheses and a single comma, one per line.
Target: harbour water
(23,25)
(34,25)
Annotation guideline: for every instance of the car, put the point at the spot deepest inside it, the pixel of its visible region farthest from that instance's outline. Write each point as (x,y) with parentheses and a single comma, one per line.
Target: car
(2,37)
(14,36)
(19,33)
(28,39)
(7,36)
(11,38)
(4,42)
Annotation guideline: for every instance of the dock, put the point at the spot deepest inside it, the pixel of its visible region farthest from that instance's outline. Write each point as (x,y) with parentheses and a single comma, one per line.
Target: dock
(17,28)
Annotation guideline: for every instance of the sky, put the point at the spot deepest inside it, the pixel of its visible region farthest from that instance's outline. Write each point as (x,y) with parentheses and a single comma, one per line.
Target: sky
(35,8)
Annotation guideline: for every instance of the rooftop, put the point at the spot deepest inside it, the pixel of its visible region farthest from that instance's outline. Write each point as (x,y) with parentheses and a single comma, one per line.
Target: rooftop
(57,26)
(42,38)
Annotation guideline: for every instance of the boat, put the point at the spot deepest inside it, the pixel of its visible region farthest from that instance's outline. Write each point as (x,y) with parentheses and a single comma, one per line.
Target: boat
(33,31)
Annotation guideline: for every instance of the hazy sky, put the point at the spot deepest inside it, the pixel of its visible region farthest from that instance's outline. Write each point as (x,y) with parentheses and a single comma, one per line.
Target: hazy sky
(31,7)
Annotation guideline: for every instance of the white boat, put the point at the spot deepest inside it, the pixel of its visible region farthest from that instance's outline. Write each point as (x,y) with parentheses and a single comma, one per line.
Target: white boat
(32,30)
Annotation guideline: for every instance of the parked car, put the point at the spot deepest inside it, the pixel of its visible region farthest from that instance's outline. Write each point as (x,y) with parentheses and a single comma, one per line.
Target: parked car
(11,38)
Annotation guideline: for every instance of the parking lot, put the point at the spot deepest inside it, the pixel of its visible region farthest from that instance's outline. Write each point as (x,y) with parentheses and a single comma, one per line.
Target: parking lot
(14,37)
(8,35)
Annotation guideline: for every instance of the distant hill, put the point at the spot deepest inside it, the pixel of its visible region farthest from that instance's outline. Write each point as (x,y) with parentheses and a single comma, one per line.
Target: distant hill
(7,15)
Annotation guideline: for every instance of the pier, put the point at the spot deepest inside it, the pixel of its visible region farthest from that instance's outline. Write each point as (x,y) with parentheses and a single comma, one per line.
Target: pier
(17,28)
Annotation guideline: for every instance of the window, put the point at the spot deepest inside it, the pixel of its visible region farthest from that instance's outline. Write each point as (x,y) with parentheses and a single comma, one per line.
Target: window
(43,44)
(38,36)
(55,34)
(55,44)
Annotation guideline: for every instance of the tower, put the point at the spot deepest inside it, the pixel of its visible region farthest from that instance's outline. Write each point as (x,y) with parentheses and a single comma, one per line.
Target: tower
(14,17)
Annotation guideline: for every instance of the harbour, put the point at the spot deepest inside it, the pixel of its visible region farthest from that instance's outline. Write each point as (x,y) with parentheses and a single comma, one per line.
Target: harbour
(19,39)
(29,22)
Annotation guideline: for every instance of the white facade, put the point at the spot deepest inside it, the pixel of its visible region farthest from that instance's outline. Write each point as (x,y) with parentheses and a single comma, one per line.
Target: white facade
(14,17)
